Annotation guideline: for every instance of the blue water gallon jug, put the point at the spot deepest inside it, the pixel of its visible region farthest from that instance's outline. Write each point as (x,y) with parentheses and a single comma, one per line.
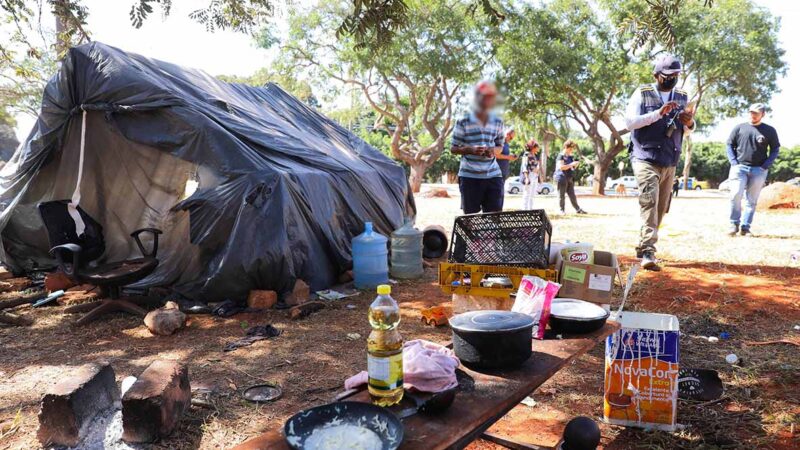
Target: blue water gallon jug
(407,252)
(370,258)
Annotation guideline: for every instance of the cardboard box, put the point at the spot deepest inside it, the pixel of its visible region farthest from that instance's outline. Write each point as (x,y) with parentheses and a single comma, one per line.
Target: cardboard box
(590,282)
(641,371)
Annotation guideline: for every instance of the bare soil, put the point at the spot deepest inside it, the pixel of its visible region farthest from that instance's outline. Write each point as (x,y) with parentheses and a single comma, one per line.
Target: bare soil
(713,283)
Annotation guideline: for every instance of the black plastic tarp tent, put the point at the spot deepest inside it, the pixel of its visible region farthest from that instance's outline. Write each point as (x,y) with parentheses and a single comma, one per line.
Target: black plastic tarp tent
(280,189)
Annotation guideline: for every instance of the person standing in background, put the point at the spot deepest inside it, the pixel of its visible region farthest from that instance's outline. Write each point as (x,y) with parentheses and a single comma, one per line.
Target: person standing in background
(479,138)
(505,157)
(752,149)
(658,115)
(564,176)
(529,173)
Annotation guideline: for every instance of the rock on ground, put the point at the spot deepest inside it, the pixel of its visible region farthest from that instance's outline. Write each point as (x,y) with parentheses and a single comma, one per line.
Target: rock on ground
(779,195)
(166,320)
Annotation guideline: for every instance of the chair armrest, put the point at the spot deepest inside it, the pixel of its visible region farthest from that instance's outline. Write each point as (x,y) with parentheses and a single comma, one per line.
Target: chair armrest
(155,232)
(59,252)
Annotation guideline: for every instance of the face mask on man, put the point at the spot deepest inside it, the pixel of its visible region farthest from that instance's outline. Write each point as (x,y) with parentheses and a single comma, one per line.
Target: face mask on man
(667,82)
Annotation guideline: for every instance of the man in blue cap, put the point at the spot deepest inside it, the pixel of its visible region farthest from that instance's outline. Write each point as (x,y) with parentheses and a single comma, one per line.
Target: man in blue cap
(658,115)
(752,148)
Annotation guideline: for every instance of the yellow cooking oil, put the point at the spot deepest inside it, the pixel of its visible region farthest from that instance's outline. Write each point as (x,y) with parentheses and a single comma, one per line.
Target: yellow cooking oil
(385,350)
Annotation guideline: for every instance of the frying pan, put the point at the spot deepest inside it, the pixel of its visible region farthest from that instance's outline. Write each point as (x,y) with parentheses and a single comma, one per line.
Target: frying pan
(573,316)
(385,424)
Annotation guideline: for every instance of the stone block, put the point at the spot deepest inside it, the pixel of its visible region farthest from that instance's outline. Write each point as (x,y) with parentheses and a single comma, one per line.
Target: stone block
(153,406)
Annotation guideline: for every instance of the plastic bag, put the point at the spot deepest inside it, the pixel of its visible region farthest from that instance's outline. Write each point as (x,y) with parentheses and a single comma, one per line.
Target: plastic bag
(534,298)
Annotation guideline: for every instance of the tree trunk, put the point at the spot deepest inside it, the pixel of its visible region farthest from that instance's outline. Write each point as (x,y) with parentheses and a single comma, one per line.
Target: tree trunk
(62,41)
(687,163)
(417,175)
(599,176)
(543,160)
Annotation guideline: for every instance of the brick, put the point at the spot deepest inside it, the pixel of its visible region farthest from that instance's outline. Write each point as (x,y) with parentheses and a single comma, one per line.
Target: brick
(69,407)
(57,281)
(5,274)
(153,406)
(262,299)
(299,295)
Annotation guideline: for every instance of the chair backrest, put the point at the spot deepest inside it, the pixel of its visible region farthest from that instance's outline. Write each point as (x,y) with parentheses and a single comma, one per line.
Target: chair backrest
(61,229)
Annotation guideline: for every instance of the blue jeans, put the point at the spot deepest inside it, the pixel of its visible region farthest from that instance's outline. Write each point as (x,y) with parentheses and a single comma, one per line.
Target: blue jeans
(748,181)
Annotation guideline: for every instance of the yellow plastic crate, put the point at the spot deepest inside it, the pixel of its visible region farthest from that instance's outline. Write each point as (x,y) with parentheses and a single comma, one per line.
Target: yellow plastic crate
(452,275)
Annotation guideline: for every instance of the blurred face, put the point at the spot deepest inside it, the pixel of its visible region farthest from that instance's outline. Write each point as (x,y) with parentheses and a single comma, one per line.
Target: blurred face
(569,150)
(667,82)
(510,136)
(756,117)
(487,102)
(535,149)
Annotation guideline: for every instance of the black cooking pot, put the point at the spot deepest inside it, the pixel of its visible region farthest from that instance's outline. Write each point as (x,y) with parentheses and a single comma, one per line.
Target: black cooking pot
(572,316)
(492,339)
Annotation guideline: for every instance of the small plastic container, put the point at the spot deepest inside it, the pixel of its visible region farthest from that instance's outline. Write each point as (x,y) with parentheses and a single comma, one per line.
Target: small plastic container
(370,259)
(407,252)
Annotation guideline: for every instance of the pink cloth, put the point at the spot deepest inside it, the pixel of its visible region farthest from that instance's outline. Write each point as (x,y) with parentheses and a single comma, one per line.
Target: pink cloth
(427,367)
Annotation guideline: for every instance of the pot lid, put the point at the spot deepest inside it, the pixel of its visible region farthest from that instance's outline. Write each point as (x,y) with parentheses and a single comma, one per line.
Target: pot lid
(573,309)
(490,321)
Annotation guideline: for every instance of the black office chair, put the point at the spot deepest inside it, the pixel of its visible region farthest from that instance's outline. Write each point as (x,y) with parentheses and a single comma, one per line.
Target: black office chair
(75,254)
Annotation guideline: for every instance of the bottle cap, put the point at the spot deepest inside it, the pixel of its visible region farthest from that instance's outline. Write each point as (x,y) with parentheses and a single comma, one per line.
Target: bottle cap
(384,289)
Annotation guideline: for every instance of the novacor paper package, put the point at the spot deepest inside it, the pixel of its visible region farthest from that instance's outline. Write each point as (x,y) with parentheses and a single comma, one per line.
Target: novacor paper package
(641,378)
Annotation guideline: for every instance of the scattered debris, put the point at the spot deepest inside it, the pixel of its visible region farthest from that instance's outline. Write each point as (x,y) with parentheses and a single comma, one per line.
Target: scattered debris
(49,299)
(227,308)
(528,401)
(166,320)
(351,306)
(154,404)
(254,334)
(713,339)
(57,281)
(15,284)
(305,309)
(725,335)
(436,192)
(69,407)
(699,384)
(262,299)
(732,358)
(299,295)
(11,300)
(262,393)
(797,328)
(353,336)
(330,294)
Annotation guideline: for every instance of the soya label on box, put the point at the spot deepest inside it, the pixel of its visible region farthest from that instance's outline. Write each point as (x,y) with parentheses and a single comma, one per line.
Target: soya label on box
(574,274)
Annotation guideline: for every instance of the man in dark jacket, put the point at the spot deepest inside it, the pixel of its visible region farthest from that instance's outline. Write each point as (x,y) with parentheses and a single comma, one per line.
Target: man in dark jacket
(752,148)
(658,116)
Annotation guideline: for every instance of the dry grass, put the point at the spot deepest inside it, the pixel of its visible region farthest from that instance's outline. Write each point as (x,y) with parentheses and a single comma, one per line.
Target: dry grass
(713,283)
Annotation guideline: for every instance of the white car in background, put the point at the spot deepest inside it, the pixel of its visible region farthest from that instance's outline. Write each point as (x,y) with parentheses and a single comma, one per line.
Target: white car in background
(628,181)
(514,186)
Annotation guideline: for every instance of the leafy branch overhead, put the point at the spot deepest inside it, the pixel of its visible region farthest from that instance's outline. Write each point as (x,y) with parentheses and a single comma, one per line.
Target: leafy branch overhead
(237,15)
(655,25)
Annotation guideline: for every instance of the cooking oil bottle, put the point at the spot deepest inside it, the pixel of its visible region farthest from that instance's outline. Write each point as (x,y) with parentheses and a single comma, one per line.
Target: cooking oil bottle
(385,350)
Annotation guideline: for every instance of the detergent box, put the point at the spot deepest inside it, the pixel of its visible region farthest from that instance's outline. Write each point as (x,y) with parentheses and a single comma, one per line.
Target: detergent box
(641,378)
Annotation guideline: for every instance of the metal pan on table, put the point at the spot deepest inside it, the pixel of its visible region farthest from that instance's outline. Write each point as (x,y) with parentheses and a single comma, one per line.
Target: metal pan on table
(572,316)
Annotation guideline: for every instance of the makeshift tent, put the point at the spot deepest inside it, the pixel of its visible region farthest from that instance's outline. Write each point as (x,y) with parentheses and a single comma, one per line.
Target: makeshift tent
(280,189)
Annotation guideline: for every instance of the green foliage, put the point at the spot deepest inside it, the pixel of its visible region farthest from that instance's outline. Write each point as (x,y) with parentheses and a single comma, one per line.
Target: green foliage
(731,52)
(787,166)
(709,162)
(238,15)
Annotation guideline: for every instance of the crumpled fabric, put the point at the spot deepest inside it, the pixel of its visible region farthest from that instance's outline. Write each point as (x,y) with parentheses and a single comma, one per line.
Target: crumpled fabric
(427,367)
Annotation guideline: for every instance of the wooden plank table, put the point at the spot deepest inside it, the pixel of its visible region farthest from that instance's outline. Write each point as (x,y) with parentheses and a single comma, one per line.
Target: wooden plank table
(482,399)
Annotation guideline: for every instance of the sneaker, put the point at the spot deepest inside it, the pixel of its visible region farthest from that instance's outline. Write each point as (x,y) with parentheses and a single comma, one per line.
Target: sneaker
(580,211)
(733,230)
(745,232)
(649,261)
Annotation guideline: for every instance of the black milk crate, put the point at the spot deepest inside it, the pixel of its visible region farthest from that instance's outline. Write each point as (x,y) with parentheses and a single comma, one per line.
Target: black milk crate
(514,238)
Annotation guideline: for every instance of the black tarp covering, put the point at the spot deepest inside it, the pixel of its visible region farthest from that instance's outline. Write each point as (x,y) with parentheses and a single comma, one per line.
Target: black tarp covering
(282,189)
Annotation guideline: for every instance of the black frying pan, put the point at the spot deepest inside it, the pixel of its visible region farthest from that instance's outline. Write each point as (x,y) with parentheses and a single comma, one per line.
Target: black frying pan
(381,421)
